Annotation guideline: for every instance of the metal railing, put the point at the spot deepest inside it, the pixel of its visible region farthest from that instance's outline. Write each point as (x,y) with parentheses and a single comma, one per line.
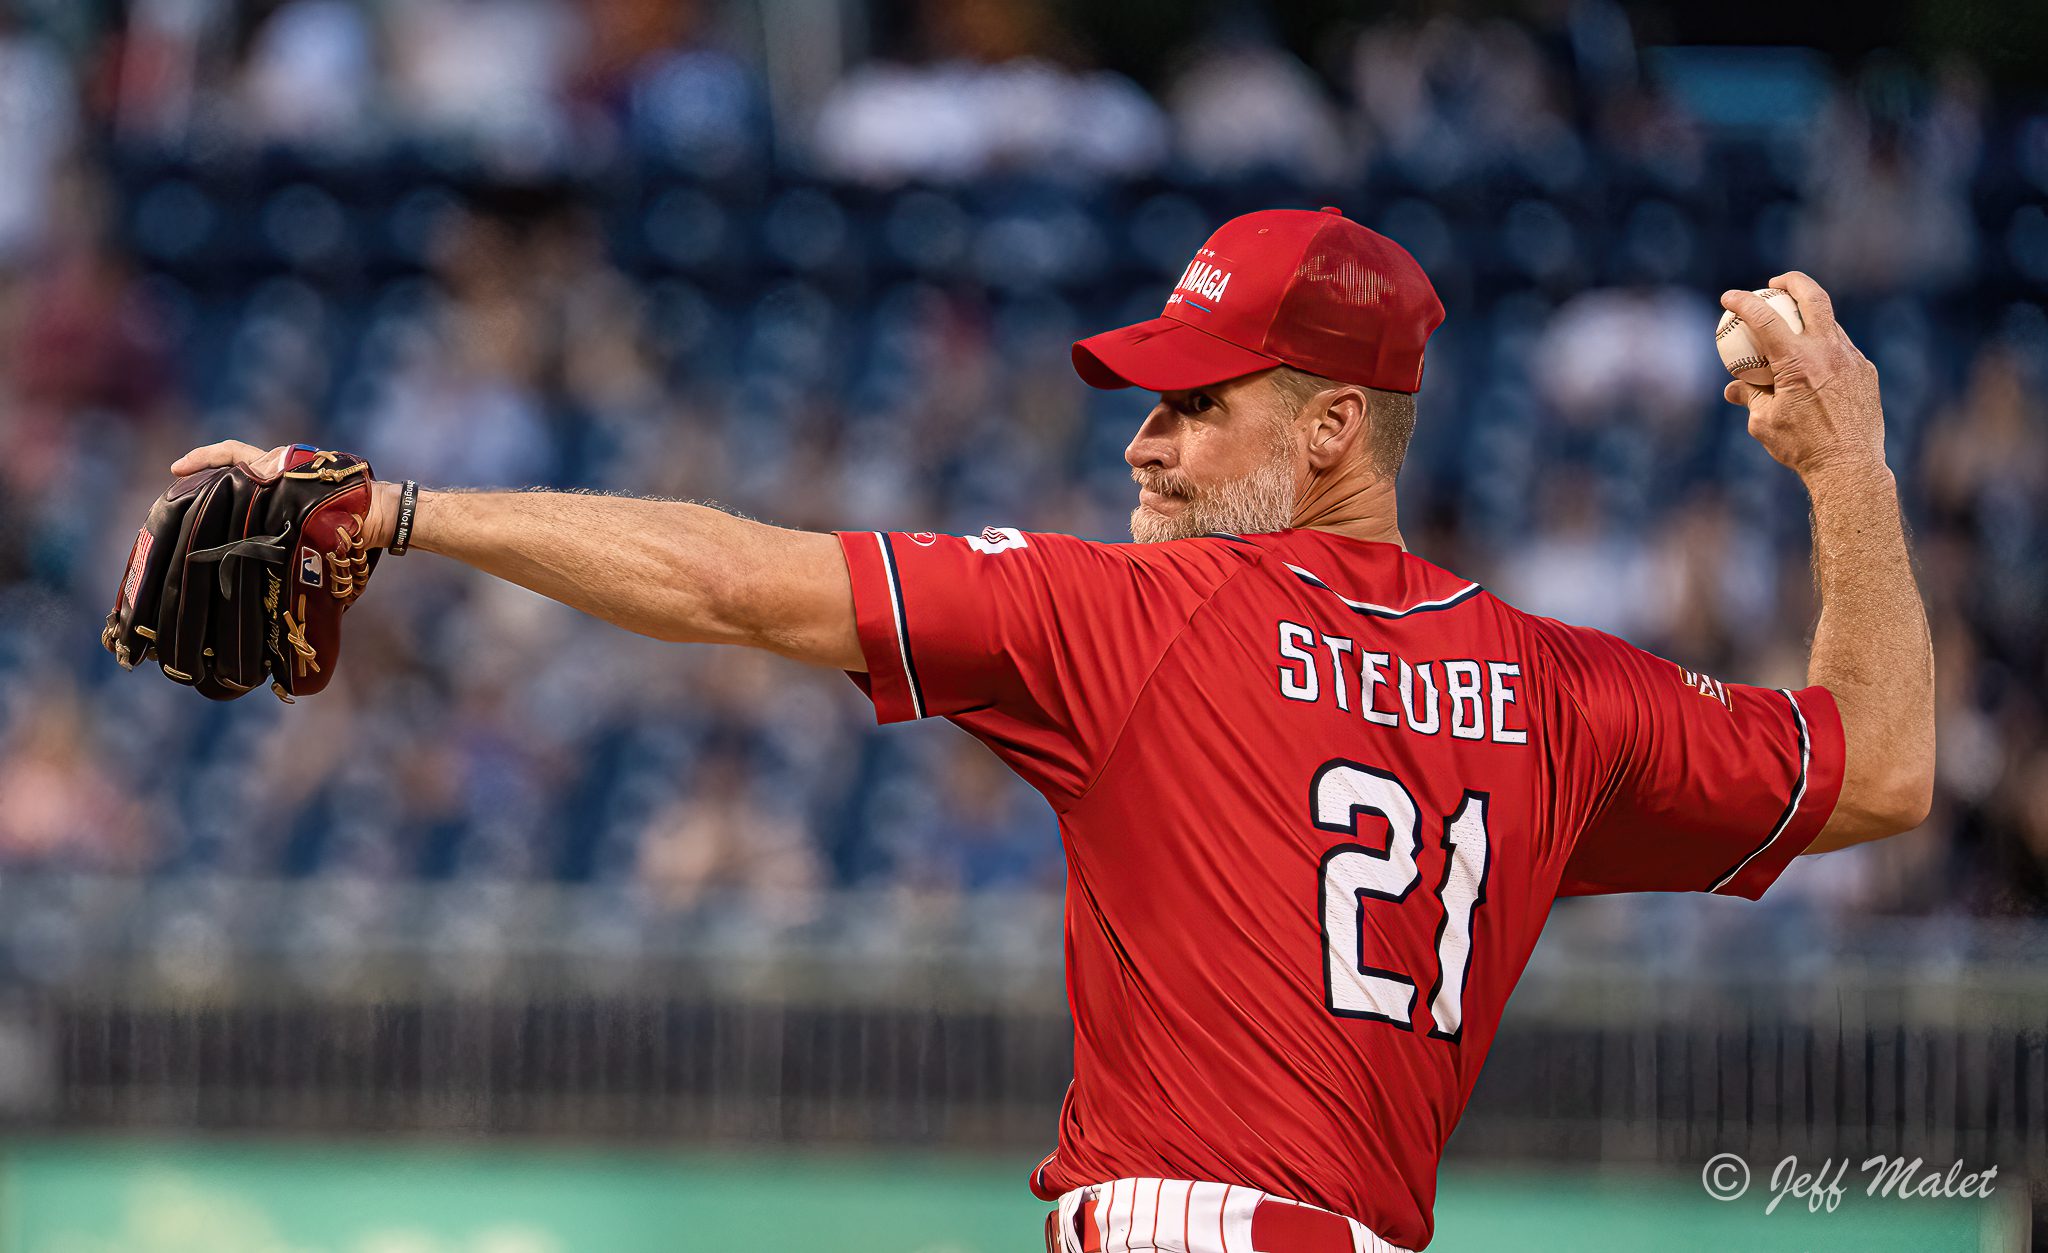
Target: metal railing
(1643,1031)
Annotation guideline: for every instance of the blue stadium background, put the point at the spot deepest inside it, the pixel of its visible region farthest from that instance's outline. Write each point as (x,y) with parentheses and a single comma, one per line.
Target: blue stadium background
(624,258)
(821,262)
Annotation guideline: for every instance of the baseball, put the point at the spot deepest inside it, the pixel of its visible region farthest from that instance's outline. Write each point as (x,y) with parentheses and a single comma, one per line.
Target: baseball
(1739,352)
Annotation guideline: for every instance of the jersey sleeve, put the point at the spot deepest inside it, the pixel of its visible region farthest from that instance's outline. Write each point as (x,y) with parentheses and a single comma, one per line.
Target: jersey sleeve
(1706,786)
(1039,644)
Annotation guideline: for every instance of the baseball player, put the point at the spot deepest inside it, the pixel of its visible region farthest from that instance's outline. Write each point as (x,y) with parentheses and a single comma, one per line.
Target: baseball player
(1316,794)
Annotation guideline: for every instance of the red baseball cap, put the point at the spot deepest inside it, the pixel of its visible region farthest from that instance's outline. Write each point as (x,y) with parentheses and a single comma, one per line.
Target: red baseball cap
(1316,291)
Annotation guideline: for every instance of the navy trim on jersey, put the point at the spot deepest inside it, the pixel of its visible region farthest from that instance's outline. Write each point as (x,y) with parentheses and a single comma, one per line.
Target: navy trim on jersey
(1235,539)
(1383,611)
(902,624)
(1791,806)
(1038,1175)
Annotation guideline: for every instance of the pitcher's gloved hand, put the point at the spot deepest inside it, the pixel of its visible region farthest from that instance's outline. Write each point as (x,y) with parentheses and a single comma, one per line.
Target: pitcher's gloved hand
(244,567)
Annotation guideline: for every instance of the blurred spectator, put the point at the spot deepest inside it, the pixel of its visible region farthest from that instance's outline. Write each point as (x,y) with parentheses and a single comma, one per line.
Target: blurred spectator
(64,806)
(464,405)
(1991,447)
(491,70)
(1247,106)
(1642,129)
(654,66)
(989,95)
(1715,581)
(1887,207)
(153,82)
(1641,355)
(977,828)
(1578,566)
(1445,96)
(87,336)
(723,838)
(312,73)
(2019,864)
(38,119)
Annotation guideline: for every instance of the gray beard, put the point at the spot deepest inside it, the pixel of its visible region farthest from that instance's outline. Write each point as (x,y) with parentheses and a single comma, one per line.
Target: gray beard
(1260,501)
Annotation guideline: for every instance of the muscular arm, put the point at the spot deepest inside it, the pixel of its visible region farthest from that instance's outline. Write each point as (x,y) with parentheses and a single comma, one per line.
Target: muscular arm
(664,569)
(1872,651)
(1823,419)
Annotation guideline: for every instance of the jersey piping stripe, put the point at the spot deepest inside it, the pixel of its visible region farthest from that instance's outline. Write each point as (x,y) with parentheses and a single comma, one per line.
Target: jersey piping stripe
(1791,806)
(1384,611)
(902,624)
(1038,1172)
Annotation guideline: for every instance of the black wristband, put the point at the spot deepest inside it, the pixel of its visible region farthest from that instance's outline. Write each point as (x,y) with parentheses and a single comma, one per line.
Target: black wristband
(408,504)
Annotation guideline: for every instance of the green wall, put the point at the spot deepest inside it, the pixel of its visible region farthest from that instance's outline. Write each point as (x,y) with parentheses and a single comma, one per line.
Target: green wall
(74,1196)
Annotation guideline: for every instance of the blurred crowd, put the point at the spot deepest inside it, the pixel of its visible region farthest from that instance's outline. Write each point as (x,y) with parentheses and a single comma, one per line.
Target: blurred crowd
(826,273)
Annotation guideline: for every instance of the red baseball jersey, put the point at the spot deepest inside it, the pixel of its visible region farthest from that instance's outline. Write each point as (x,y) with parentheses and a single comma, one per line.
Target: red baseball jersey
(1317,796)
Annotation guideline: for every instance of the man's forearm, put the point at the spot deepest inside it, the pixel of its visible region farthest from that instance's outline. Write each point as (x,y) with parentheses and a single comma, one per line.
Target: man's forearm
(664,569)
(1871,650)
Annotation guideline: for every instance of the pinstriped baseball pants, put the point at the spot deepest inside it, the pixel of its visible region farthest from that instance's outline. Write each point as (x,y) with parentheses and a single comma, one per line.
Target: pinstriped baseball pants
(1185,1216)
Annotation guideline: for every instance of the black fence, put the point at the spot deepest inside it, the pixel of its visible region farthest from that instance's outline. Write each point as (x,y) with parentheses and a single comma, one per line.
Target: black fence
(901,1023)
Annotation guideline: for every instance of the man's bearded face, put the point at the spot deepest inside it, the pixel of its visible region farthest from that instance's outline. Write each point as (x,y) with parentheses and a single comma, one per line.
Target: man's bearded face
(1173,504)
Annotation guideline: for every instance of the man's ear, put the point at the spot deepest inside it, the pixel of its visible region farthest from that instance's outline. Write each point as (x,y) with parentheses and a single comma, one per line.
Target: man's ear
(1338,426)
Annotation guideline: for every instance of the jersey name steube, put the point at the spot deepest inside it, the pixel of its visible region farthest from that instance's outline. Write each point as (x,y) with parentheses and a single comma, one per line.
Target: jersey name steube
(1465,698)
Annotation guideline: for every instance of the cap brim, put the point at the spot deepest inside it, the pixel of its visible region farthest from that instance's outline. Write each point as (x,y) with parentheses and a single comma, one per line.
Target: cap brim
(1163,355)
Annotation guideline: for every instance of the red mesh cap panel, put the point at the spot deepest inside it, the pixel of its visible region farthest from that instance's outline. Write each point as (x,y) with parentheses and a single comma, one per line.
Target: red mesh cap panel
(1358,309)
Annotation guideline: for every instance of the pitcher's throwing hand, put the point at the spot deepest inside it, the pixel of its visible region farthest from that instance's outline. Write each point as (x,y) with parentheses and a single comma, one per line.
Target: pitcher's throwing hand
(1821,409)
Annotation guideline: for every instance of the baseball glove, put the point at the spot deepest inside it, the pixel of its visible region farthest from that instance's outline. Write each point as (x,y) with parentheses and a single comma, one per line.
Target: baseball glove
(236,576)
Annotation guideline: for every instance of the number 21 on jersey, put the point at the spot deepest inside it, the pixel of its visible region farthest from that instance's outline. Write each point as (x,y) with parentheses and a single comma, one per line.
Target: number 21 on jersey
(1357,877)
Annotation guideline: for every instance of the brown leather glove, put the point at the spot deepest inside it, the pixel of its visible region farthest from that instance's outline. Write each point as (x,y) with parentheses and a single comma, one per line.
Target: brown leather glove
(236,576)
